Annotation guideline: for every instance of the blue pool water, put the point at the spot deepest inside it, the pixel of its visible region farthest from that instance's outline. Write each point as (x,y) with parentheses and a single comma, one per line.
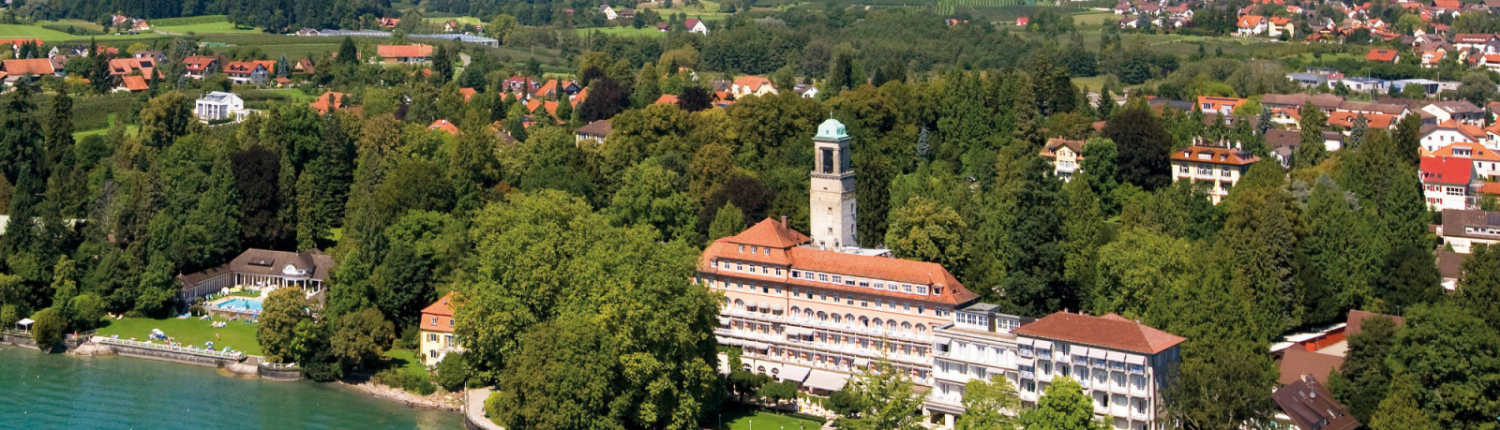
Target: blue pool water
(242,304)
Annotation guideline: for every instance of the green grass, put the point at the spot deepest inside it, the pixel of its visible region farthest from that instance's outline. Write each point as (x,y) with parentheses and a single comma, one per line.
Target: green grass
(191,331)
(222,27)
(739,417)
(250,294)
(405,360)
(460,19)
(1092,83)
(200,19)
(627,31)
(1096,19)
(130,130)
(708,11)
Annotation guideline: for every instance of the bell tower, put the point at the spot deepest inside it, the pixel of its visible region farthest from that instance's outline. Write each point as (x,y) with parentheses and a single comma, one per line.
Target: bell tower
(832,207)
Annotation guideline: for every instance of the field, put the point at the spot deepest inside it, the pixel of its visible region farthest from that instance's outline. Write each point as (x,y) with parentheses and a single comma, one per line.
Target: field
(221,27)
(130,130)
(191,331)
(649,31)
(738,417)
(705,10)
(461,20)
(1095,19)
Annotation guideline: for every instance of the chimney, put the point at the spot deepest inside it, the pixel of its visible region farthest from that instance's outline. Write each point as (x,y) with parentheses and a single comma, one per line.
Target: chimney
(783,221)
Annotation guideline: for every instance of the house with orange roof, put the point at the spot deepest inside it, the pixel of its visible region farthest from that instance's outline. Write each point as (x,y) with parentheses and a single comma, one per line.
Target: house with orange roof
(1486,160)
(404,54)
(1219,105)
(468,93)
(1434,136)
(1375,121)
(1431,58)
(436,331)
(445,126)
(1251,25)
(145,67)
(198,66)
(752,86)
(132,83)
(1281,25)
(247,72)
(1217,165)
(667,99)
(34,67)
(534,104)
(1383,56)
(1484,43)
(329,102)
(269,65)
(553,86)
(1065,155)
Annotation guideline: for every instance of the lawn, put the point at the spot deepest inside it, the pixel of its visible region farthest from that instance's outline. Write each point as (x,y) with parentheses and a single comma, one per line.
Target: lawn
(221,27)
(1095,18)
(130,130)
(1091,84)
(191,331)
(708,10)
(649,31)
(403,359)
(16,31)
(739,417)
(460,19)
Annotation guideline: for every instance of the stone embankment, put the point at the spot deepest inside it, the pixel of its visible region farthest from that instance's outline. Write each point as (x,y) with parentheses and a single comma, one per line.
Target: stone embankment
(444,401)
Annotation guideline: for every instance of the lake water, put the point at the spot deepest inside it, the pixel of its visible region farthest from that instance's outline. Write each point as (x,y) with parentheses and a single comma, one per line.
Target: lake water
(57,391)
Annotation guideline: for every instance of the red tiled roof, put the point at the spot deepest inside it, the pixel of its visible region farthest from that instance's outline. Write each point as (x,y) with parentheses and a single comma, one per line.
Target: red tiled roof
(1376,120)
(404,51)
(31,66)
(1049,150)
(198,63)
(1250,21)
(1357,319)
(667,99)
(1382,55)
(443,125)
(1447,170)
(442,311)
(1476,151)
(468,93)
(1215,155)
(134,83)
(1298,361)
(1109,331)
(328,102)
(241,67)
(124,66)
(780,246)
(751,83)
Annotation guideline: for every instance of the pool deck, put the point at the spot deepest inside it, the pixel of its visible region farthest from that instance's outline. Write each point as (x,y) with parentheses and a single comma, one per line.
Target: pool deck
(216,307)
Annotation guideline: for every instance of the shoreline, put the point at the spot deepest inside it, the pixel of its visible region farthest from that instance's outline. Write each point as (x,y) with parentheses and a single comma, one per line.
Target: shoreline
(451,402)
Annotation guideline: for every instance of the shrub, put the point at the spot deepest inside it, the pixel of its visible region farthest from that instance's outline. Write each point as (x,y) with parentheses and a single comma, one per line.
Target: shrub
(413,382)
(49,328)
(452,372)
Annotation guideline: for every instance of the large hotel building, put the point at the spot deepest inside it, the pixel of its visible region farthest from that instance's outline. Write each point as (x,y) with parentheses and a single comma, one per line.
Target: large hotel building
(817,310)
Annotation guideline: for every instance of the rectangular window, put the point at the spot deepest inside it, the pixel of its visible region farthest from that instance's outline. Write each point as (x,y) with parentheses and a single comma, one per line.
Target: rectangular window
(849,282)
(434,320)
(739,267)
(823,277)
(864,285)
(849,300)
(797,274)
(906,287)
(838,279)
(879,285)
(766,251)
(919,309)
(742,248)
(922,289)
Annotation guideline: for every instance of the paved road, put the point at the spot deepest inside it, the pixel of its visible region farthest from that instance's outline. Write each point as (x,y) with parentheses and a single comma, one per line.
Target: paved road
(474,409)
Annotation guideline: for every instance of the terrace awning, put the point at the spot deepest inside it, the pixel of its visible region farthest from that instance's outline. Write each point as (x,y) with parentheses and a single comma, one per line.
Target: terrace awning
(1135,359)
(943,341)
(794,373)
(1098,354)
(826,380)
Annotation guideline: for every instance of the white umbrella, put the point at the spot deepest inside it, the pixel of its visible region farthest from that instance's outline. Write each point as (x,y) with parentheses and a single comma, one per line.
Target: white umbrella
(25,323)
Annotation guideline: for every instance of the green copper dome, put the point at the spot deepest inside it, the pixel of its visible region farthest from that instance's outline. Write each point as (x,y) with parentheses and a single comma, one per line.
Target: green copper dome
(832,129)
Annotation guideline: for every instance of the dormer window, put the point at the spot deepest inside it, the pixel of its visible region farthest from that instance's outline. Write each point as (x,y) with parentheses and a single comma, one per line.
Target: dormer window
(742,248)
(767,250)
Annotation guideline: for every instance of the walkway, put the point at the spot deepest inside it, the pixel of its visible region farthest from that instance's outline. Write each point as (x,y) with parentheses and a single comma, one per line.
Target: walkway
(474,410)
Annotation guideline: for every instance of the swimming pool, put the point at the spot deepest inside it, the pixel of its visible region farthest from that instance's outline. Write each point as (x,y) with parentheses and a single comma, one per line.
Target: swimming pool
(241,304)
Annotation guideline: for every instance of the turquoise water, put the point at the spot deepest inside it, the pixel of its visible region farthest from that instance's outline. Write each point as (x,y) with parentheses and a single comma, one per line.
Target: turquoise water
(244,304)
(57,391)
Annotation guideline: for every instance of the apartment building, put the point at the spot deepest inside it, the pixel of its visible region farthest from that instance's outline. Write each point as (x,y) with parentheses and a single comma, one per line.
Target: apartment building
(1121,364)
(978,344)
(1216,166)
(1462,229)
(1447,182)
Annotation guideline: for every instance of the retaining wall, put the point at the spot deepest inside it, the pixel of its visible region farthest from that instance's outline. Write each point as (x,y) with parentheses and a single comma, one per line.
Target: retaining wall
(172,356)
(280,375)
(18,340)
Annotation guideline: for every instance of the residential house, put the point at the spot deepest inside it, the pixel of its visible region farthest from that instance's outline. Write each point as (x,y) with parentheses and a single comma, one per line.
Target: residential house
(1309,80)
(1384,56)
(1456,110)
(198,66)
(1328,103)
(1124,8)
(218,105)
(666,99)
(73,50)
(597,131)
(1305,404)
(1487,61)
(695,25)
(1219,105)
(436,331)
(1281,25)
(1065,156)
(144,67)
(1251,25)
(1462,229)
(261,268)
(627,13)
(133,83)
(1435,136)
(1486,160)
(247,72)
(1431,58)
(390,22)
(34,67)
(977,344)
(752,86)
(1283,145)
(807,91)
(550,89)
(1451,268)
(608,12)
(1447,182)
(405,54)
(1122,365)
(1346,119)
(305,66)
(329,102)
(1484,43)
(1217,166)
(444,126)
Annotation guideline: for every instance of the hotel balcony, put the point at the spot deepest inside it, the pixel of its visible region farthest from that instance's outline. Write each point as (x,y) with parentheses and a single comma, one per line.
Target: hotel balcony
(1044,377)
(1139,391)
(1119,410)
(1100,409)
(1026,396)
(1139,415)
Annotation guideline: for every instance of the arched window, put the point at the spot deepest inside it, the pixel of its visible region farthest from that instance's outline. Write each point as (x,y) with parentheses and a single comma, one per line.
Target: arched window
(866,321)
(796,312)
(921,329)
(905,327)
(739,304)
(878,323)
(822,316)
(809,313)
(849,318)
(837,319)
